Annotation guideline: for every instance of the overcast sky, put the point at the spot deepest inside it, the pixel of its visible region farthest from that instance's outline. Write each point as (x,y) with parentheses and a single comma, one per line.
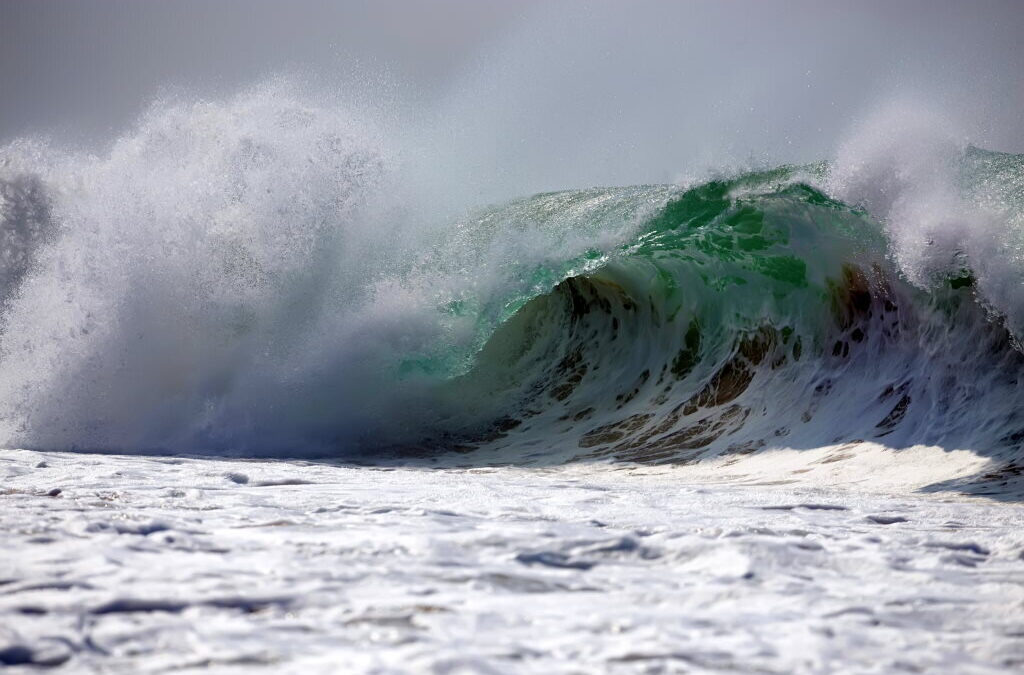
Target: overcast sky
(89,66)
(541,94)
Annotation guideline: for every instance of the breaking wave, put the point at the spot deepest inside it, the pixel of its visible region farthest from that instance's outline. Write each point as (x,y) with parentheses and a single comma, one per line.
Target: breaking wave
(250,278)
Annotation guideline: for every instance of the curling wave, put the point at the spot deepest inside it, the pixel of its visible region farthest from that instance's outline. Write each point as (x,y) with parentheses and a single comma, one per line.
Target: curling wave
(242,278)
(751,313)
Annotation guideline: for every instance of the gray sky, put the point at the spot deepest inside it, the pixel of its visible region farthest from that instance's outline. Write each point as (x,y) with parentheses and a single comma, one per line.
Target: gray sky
(539,95)
(84,68)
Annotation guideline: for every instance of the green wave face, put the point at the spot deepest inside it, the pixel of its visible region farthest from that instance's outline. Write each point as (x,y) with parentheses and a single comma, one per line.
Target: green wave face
(736,315)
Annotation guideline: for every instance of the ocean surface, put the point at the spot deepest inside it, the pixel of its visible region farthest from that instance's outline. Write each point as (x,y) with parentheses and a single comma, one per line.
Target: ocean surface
(268,408)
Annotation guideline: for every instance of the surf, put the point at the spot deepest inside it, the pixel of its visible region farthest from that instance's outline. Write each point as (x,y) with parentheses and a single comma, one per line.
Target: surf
(253,277)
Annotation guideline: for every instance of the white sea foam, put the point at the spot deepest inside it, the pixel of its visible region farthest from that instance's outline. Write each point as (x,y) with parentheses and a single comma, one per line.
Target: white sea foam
(143,565)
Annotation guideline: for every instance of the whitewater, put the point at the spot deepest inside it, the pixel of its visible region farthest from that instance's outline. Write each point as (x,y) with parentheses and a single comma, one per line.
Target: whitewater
(270,405)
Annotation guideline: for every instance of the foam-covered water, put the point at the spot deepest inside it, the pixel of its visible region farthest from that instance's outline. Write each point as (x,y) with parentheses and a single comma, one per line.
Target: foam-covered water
(154,564)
